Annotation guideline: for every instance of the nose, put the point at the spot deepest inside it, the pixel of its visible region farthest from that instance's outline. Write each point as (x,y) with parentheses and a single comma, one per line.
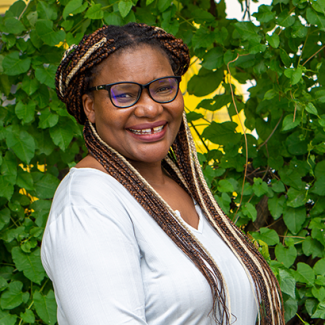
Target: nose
(147,107)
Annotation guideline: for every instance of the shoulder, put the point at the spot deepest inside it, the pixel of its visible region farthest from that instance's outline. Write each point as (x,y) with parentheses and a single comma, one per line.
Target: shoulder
(89,188)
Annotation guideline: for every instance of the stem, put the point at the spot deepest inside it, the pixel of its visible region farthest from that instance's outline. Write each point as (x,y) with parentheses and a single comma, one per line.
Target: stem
(313,55)
(268,138)
(199,135)
(24,10)
(242,125)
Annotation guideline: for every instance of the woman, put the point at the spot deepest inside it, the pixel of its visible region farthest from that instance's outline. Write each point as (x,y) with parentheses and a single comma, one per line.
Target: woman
(134,235)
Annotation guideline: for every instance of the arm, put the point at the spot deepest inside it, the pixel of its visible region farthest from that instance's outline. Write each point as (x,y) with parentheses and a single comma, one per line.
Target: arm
(93,260)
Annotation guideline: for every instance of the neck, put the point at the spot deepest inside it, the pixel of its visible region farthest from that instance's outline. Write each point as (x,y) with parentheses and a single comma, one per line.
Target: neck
(153,173)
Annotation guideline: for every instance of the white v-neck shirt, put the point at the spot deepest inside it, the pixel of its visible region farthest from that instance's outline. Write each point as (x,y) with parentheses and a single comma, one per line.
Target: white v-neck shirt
(111,263)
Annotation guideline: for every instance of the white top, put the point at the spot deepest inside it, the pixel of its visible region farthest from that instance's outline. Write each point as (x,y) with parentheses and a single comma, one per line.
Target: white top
(110,262)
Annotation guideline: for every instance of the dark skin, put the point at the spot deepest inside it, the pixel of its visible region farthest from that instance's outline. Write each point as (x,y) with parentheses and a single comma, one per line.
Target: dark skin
(142,64)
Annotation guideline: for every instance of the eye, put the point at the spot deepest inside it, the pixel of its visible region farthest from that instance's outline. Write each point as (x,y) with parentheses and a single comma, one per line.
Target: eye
(164,89)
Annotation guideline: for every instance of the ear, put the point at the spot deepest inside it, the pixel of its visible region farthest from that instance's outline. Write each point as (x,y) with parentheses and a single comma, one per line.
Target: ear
(89,107)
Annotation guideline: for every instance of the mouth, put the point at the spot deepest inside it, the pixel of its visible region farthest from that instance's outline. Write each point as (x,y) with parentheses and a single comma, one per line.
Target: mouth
(154,130)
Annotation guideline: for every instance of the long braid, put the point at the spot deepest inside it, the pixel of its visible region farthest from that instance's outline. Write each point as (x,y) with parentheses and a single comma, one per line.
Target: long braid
(73,78)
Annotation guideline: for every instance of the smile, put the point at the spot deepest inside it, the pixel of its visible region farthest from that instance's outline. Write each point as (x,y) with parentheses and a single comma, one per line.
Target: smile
(148,131)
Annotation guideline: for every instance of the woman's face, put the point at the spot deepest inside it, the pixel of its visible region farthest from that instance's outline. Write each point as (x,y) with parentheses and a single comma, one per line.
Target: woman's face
(143,132)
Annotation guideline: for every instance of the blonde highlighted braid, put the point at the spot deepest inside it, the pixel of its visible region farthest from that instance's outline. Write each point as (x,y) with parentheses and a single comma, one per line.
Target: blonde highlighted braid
(72,81)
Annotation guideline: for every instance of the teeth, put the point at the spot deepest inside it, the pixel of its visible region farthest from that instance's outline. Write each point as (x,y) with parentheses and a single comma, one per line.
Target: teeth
(148,131)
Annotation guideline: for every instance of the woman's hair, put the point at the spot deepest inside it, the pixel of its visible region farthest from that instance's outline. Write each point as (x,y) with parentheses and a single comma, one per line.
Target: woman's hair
(77,68)
(72,81)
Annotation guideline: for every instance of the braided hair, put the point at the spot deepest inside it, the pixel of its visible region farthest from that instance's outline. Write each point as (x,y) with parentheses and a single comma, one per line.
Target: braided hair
(72,81)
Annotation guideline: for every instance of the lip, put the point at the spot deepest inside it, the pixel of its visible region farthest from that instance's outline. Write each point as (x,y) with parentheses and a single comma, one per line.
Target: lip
(148,137)
(146,125)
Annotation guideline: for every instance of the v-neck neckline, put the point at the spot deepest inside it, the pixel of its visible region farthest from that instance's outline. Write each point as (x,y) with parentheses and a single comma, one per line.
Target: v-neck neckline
(199,213)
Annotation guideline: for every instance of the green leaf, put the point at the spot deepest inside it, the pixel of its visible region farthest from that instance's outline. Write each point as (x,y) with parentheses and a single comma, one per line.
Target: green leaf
(312,247)
(222,133)
(248,31)
(113,18)
(319,267)
(70,7)
(9,168)
(48,119)
(124,7)
(29,86)
(205,82)
(3,283)
(6,318)
(193,116)
(46,33)
(28,316)
(164,5)
(320,311)
(96,12)
(41,210)
(46,11)
(315,18)
(264,14)
(46,75)
(22,144)
(213,59)
(287,283)
(278,187)
(317,226)
(284,255)
(285,19)
(296,76)
(285,58)
(270,94)
(25,112)
(14,26)
(6,189)
(171,27)
(260,188)
(319,5)
(290,308)
(46,186)
(269,236)
(4,217)
(310,108)
(45,306)
(288,123)
(225,186)
(13,297)
(296,198)
(249,210)
(319,293)
(13,64)
(294,218)
(273,40)
(305,274)
(25,180)
(30,264)
(62,133)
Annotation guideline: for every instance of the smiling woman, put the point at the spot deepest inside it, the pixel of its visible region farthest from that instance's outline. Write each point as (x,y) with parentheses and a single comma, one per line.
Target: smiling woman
(134,234)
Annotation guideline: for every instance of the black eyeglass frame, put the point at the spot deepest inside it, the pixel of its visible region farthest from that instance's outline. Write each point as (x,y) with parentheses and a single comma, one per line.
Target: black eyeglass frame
(146,86)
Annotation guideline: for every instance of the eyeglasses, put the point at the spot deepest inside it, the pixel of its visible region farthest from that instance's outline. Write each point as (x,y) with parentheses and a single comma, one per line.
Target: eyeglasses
(126,94)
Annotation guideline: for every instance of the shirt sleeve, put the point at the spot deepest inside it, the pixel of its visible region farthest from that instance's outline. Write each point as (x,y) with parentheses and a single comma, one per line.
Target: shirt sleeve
(93,259)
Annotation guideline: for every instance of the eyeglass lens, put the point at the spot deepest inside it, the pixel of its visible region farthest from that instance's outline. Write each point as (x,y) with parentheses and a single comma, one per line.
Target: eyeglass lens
(162,91)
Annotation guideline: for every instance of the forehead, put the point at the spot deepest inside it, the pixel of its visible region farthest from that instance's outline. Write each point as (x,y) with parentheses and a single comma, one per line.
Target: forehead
(141,64)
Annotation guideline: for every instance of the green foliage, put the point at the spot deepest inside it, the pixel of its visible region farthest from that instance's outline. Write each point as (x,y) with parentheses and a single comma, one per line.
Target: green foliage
(281,205)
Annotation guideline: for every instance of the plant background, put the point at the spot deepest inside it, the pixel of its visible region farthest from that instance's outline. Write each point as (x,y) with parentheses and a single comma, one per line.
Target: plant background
(270,180)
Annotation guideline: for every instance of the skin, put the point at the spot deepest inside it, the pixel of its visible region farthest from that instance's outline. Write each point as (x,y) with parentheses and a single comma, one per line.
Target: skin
(141,64)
